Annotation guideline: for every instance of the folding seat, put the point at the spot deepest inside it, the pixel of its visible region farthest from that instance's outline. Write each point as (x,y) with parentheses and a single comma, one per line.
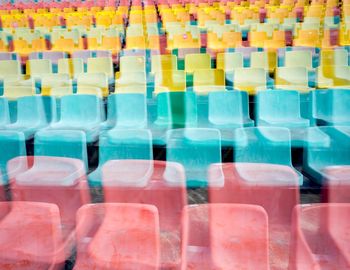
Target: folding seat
(334,57)
(109,237)
(85,55)
(49,81)
(229,61)
(333,76)
(293,78)
(10,70)
(308,38)
(32,225)
(100,65)
(160,63)
(122,144)
(197,61)
(12,145)
(302,58)
(257,39)
(35,68)
(80,112)
(207,77)
(131,82)
(196,149)
(73,67)
(319,237)
(170,80)
(330,107)
(266,60)
(31,116)
(249,79)
(54,57)
(94,80)
(260,179)
(126,111)
(225,236)
(132,64)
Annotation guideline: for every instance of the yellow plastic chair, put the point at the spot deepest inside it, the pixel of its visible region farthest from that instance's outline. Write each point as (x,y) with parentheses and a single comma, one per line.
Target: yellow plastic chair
(99,80)
(292,78)
(11,70)
(132,64)
(333,76)
(204,77)
(229,61)
(49,81)
(266,60)
(38,67)
(170,80)
(100,64)
(13,92)
(61,91)
(71,66)
(197,61)
(163,62)
(338,57)
(298,59)
(89,90)
(249,79)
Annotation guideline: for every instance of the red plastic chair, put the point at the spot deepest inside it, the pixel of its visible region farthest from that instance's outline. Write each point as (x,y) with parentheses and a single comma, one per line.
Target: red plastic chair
(320,237)
(157,183)
(31,236)
(225,236)
(113,236)
(337,184)
(57,180)
(274,187)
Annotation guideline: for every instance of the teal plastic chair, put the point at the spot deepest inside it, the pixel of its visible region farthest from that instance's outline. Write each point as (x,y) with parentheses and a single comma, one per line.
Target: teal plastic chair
(61,143)
(264,145)
(80,112)
(331,107)
(4,113)
(195,149)
(228,110)
(12,144)
(334,154)
(117,144)
(31,116)
(174,110)
(126,111)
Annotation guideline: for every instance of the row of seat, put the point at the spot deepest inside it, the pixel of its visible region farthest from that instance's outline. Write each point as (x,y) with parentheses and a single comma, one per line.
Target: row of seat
(196,149)
(148,232)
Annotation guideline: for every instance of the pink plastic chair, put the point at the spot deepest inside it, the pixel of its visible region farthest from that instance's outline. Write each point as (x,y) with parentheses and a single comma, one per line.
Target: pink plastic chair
(225,236)
(337,184)
(157,183)
(31,236)
(274,187)
(113,236)
(320,237)
(57,180)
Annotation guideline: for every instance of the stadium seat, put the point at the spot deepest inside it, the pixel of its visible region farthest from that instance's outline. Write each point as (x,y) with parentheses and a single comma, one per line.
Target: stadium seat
(32,225)
(94,80)
(195,149)
(197,61)
(73,66)
(10,70)
(100,65)
(229,61)
(49,81)
(115,233)
(320,231)
(292,78)
(222,236)
(170,80)
(249,79)
(38,67)
(80,112)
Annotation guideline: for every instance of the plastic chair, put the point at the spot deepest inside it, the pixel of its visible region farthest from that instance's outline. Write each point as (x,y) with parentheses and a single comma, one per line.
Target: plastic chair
(95,80)
(10,70)
(298,59)
(80,112)
(229,61)
(54,57)
(160,63)
(292,78)
(171,80)
(337,57)
(122,144)
(249,79)
(31,116)
(128,79)
(208,77)
(38,67)
(195,149)
(333,76)
(73,67)
(126,111)
(66,187)
(197,61)
(12,144)
(319,237)
(330,107)
(266,60)
(321,161)
(225,236)
(100,65)
(4,113)
(42,226)
(116,233)
(49,81)
(132,64)
(159,183)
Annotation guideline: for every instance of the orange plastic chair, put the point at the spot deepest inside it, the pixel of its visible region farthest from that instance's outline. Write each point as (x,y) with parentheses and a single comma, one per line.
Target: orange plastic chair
(225,236)
(118,236)
(320,238)
(31,236)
